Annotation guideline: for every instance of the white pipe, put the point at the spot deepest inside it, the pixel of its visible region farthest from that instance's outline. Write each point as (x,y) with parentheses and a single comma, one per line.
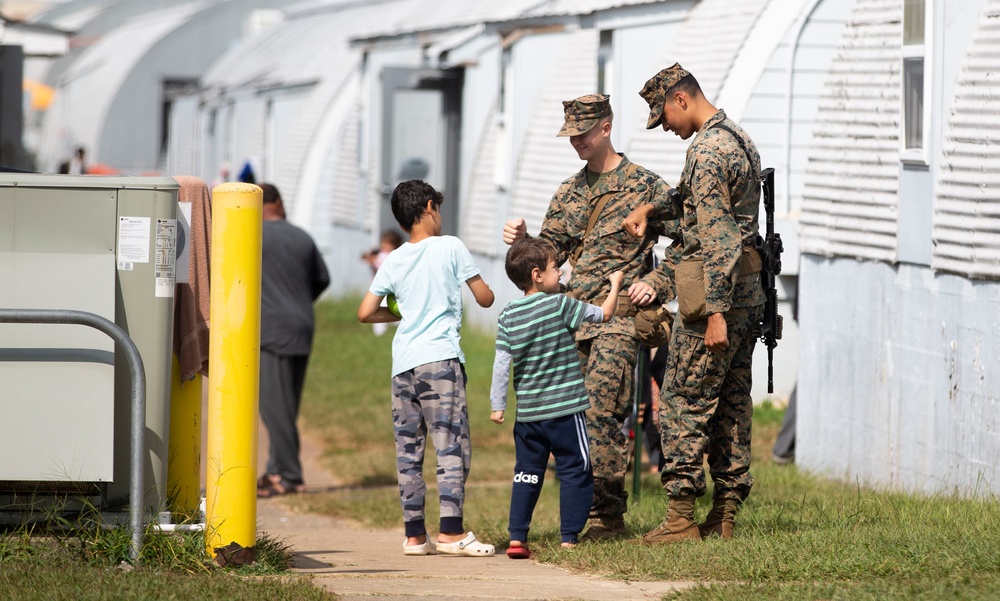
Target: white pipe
(799,26)
(179,527)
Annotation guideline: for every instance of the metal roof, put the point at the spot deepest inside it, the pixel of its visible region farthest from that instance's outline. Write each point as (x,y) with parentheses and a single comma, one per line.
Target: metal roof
(74,14)
(582,7)
(309,45)
(437,15)
(434,15)
(967,219)
(850,202)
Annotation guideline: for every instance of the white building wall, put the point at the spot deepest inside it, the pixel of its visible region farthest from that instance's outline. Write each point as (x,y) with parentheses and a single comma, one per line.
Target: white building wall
(900,378)
(183,156)
(545,160)
(479,189)
(630,66)
(372,109)
(539,160)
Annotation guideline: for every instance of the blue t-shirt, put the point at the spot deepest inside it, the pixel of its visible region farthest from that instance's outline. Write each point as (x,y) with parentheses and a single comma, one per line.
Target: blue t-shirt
(427,279)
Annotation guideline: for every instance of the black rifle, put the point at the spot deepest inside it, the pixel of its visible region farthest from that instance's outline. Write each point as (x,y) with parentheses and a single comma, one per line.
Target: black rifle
(770,253)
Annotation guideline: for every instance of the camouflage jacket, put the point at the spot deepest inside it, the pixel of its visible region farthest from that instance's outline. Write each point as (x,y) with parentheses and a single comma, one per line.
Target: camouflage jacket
(607,248)
(721,199)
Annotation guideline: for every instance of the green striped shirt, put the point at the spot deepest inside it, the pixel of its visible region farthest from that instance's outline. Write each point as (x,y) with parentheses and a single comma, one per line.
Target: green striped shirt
(537,332)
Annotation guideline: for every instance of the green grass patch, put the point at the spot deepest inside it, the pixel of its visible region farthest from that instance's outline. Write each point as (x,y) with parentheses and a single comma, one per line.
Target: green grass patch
(57,574)
(60,558)
(798,537)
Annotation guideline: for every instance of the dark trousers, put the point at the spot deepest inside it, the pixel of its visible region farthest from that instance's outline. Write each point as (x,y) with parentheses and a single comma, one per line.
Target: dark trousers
(281,381)
(565,438)
(784,445)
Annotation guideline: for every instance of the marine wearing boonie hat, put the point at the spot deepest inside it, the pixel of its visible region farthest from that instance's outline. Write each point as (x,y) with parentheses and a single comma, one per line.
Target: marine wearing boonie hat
(583,113)
(655,91)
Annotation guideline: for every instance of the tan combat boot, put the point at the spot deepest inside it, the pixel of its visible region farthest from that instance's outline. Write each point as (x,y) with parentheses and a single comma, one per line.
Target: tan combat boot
(679,525)
(721,519)
(605,528)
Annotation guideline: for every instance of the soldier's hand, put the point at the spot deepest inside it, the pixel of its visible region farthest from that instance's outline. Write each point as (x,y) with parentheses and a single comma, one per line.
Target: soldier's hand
(716,333)
(514,230)
(635,223)
(641,294)
(496,417)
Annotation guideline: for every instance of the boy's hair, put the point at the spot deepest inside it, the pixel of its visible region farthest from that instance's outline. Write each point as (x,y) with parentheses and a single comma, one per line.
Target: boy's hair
(525,255)
(392,237)
(409,200)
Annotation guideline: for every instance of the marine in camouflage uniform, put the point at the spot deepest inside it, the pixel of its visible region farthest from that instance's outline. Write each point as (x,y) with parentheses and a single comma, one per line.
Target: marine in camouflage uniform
(705,404)
(607,350)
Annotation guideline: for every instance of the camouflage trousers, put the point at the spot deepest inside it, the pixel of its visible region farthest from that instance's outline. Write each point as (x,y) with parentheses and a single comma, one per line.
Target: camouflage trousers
(429,401)
(608,364)
(705,407)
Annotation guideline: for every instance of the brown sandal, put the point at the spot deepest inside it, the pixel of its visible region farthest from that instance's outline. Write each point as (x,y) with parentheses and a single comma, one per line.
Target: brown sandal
(279,488)
(267,480)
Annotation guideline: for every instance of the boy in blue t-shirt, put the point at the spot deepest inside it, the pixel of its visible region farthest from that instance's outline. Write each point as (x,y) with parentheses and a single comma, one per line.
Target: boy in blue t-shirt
(428,379)
(536,334)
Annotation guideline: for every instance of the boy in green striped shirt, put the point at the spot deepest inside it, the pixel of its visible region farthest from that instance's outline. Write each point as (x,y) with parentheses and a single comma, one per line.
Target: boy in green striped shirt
(535,337)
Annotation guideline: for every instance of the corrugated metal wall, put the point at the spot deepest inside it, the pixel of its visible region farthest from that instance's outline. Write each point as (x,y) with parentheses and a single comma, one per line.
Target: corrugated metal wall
(765,117)
(899,377)
(91,83)
(967,215)
(480,214)
(726,23)
(544,159)
(247,137)
(341,66)
(583,7)
(345,206)
(849,205)
(182,157)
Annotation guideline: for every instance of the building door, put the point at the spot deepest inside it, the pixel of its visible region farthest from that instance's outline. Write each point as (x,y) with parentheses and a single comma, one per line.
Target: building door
(420,134)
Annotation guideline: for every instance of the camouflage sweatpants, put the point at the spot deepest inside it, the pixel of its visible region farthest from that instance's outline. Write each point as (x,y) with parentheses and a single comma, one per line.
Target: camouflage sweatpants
(608,363)
(705,406)
(430,399)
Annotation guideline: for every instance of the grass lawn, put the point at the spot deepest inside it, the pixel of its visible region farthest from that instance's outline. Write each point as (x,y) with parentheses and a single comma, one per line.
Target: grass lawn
(87,564)
(798,537)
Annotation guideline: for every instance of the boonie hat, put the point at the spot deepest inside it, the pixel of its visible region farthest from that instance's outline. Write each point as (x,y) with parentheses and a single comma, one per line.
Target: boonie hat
(583,113)
(655,90)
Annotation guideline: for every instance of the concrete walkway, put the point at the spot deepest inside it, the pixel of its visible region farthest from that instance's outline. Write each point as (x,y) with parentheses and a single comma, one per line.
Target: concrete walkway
(363,564)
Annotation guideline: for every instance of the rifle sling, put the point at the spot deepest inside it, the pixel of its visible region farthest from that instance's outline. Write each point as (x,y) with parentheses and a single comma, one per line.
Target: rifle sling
(750,261)
(596,212)
(742,144)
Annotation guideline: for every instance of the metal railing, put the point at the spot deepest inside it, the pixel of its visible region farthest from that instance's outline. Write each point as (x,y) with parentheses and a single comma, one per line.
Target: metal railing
(138,398)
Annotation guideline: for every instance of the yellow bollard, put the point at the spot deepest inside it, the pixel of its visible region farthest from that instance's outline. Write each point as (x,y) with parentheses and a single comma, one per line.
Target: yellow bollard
(184,448)
(234,384)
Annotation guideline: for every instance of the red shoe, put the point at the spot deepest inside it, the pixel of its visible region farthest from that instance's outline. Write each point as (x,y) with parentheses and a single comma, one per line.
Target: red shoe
(518,552)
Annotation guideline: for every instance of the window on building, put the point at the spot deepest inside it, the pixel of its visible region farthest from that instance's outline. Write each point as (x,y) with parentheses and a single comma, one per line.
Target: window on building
(916,81)
(605,63)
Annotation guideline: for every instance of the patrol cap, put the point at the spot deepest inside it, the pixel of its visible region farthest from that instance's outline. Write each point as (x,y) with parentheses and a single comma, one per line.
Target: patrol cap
(655,91)
(583,113)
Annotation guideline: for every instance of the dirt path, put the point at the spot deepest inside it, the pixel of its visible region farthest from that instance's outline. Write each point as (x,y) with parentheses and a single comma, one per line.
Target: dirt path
(364,564)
